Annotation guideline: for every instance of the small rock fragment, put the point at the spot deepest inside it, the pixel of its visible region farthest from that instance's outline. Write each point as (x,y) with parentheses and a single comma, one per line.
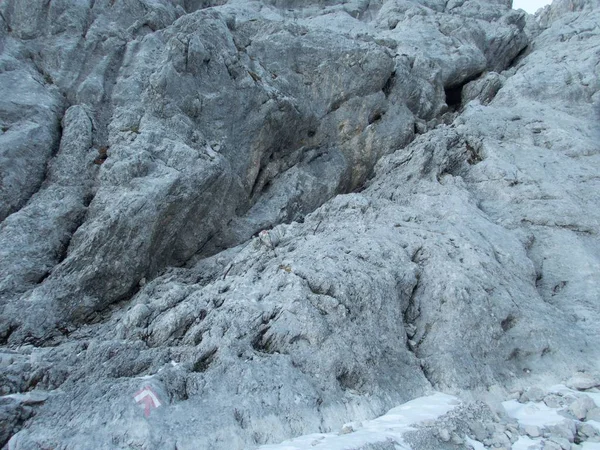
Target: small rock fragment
(479,431)
(565,429)
(444,435)
(411,330)
(420,126)
(499,439)
(456,439)
(582,381)
(554,401)
(347,429)
(564,443)
(532,430)
(515,395)
(586,431)
(580,407)
(534,394)
(550,445)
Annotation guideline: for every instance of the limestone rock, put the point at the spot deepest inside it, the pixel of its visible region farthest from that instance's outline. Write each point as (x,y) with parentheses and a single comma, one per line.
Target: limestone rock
(586,431)
(551,445)
(582,381)
(580,407)
(566,429)
(281,216)
(562,443)
(534,394)
(532,431)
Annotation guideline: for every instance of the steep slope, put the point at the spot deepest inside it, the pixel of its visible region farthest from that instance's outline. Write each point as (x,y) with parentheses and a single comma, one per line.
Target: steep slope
(425,176)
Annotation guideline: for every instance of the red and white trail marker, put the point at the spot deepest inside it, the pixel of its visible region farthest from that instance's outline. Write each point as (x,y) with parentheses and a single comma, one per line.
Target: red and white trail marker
(148,398)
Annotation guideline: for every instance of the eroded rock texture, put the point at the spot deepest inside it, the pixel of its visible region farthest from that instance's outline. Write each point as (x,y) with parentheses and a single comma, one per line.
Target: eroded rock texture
(423,175)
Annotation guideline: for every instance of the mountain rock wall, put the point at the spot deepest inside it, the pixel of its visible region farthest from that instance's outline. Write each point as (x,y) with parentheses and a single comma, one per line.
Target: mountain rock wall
(284,215)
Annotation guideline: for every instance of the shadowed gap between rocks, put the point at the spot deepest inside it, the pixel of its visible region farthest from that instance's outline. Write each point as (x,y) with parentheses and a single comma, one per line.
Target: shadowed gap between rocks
(454,93)
(518,57)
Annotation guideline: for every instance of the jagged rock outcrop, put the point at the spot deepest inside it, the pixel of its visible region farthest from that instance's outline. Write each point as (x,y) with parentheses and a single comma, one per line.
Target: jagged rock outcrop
(423,175)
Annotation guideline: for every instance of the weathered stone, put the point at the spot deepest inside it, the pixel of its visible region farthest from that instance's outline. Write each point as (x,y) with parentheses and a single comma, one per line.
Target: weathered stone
(554,401)
(283,215)
(444,435)
(582,381)
(551,445)
(532,430)
(562,442)
(534,394)
(587,431)
(580,407)
(565,429)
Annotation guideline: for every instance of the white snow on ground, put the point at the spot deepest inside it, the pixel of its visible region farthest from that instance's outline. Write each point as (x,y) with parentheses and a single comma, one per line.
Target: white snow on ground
(395,423)
(526,443)
(476,445)
(391,426)
(530,413)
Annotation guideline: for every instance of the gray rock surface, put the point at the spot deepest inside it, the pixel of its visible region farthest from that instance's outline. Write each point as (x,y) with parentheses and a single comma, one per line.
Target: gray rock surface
(582,381)
(580,407)
(534,394)
(284,215)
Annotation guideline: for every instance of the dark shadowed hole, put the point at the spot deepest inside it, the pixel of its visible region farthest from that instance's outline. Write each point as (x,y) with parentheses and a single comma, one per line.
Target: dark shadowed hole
(263,343)
(518,57)
(375,117)
(508,323)
(389,84)
(453,96)
(454,93)
(348,379)
(205,361)
(515,354)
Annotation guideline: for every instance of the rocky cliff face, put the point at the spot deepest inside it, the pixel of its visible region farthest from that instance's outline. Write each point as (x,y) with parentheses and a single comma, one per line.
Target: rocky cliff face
(282,215)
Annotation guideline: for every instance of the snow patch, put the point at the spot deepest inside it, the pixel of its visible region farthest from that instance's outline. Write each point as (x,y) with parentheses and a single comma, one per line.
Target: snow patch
(532,413)
(475,445)
(389,427)
(526,443)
